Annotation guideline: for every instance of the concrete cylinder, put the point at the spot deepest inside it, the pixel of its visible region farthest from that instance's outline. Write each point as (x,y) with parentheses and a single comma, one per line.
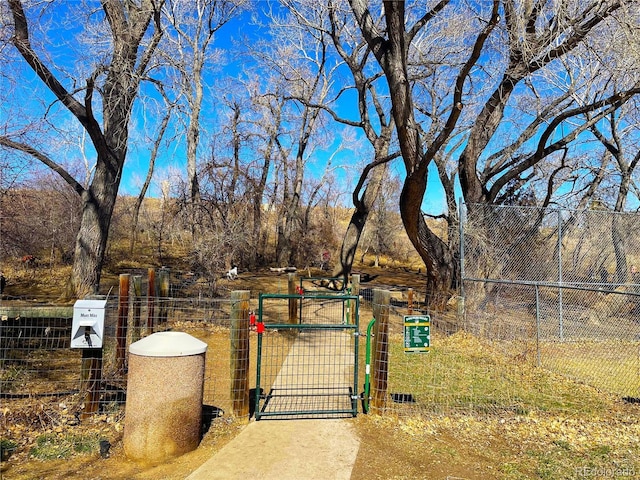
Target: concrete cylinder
(163,416)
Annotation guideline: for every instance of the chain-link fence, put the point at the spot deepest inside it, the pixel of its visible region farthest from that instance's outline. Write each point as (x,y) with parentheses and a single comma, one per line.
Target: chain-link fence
(594,248)
(554,288)
(557,288)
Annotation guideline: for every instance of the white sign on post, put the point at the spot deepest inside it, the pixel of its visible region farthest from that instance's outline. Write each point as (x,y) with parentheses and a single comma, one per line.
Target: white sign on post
(87,328)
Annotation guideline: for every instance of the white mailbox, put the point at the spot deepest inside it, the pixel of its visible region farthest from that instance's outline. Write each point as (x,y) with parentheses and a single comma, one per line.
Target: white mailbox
(87,328)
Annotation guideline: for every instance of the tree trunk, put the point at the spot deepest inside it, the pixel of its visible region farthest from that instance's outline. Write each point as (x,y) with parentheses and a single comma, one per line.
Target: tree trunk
(128,27)
(91,242)
(193,136)
(286,229)
(617,238)
(350,242)
(359,219)
(437,256)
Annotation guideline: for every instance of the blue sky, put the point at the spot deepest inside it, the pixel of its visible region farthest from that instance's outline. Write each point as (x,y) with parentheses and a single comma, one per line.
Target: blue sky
(174,156)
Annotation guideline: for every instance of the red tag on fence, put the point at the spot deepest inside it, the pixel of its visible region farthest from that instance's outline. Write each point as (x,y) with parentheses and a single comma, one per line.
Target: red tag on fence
(252,319)
(260,327)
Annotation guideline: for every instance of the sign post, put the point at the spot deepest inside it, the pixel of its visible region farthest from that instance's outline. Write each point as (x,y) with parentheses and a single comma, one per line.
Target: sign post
(87,332)
(417,333)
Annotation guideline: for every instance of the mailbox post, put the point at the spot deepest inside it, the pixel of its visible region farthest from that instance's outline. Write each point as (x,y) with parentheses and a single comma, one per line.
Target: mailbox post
(87,332)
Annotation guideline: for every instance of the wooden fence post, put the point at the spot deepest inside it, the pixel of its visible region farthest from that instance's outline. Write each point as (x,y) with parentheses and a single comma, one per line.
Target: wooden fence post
(151,299)
(240,353)
(122,322)
(355,290)
(381,301)
(136,282)
(410,301)
(164,289)
(90,379)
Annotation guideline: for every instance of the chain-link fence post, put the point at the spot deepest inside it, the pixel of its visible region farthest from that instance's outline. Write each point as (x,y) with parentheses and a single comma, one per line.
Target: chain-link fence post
(560,320)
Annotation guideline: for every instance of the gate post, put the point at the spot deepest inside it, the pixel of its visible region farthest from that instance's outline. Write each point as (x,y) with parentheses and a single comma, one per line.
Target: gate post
(240,353)
(381,301)
(355,291)
(136,282)
(151,299)
(294,311)
(164,290)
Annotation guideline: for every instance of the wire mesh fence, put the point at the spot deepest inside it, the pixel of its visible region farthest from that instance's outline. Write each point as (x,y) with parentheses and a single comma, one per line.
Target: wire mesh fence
(543,293)
(42,377)
(34,346)
(446,377)
(508,359)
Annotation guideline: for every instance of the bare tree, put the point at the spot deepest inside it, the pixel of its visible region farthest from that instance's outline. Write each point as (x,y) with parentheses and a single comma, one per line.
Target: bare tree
(324,25)
(381,231)
(270,119)
(190,50)
(134,32)
(166,111)
(621,144)
(369,105)
(501,51)
(300,76)
(39,217)
(226,193)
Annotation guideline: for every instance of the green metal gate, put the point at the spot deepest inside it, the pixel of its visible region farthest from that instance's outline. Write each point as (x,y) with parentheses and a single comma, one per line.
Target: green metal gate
(307,356)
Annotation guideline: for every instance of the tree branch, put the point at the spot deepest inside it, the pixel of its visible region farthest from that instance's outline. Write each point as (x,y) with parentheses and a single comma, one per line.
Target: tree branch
(413,31)
(365,173)
(37,154)
(543,150)
(23,44)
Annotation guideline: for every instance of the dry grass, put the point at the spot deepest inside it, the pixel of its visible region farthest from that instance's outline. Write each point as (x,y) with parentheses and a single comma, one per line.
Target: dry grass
(612,365)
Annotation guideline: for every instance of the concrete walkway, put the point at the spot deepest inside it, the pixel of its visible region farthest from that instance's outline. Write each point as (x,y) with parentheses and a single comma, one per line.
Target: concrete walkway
(298,449)
(286,450)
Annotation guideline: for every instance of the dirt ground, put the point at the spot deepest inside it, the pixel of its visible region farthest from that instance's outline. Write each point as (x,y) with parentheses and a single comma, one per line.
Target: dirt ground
(457,446)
